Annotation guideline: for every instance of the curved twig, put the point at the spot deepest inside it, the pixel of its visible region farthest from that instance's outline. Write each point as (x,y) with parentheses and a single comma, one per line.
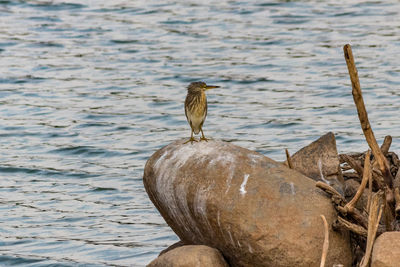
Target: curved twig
(325,247)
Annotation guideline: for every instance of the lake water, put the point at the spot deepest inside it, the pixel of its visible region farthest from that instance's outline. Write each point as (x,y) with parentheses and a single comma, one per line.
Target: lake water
(90,89)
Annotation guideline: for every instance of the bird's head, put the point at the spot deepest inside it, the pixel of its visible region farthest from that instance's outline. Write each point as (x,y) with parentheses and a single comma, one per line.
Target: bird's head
(197,87)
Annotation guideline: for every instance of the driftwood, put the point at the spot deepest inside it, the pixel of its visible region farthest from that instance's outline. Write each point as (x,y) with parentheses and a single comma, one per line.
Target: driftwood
(374,173)
(340,203)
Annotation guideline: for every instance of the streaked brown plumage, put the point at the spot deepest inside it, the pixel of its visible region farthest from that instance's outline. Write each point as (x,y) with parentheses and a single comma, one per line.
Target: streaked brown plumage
(196,108)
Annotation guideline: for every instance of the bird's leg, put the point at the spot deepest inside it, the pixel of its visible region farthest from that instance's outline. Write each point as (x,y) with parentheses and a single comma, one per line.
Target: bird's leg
(191,140)
(202,136)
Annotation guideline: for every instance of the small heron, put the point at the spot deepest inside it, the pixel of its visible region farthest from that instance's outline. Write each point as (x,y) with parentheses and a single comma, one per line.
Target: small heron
(196,108)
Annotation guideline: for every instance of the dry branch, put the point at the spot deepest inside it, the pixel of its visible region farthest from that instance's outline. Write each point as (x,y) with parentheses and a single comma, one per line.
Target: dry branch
(355,228)
(340,201)
(351,175)
(363,116)
(355,214)
(375,214)
(386,144)
(330,190)
(369,192)
(353,163)
(325,247)
(349,207)
(288,159)
(378,178)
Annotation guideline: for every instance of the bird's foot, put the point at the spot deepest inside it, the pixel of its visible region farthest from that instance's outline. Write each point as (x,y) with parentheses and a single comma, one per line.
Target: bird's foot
(191,140)
(204,139)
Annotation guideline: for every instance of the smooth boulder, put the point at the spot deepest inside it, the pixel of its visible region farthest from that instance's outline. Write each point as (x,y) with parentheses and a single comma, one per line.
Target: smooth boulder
(255,211)
(386,252)
(190,256)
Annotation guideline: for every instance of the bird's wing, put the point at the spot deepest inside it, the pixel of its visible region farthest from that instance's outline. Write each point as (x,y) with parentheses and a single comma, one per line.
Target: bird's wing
(185,107)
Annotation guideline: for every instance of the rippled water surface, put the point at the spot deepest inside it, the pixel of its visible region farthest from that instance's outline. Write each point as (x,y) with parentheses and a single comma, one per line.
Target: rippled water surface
(90,89)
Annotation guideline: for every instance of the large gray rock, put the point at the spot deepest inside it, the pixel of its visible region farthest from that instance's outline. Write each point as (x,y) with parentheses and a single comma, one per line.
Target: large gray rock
(255,211)
(190,256)
(386,252)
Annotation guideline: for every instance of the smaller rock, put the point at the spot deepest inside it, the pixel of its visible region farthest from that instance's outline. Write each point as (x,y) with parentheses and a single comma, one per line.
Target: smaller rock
(396,182)
(189,256)
(320,161)
(386,252)
(173,246)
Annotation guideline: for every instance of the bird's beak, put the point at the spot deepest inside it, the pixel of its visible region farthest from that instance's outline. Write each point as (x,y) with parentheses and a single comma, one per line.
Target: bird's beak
(211,87)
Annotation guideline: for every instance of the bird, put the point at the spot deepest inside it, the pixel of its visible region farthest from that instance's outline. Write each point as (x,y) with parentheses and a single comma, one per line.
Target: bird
(196,108)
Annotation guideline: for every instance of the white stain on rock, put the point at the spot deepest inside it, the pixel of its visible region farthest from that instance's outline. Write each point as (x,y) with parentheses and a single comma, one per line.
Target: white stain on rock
(160,160)
(242,189)
(321,172)
(172,195)
(254,158)
(225,161)
(292,188)
(191,225)
(200,207)
(229,180)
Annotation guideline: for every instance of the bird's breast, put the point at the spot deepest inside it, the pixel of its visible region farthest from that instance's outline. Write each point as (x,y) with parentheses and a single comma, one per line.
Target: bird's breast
(196,112)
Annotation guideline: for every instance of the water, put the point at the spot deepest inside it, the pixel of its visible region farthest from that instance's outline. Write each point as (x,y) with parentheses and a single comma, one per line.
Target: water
(90,89)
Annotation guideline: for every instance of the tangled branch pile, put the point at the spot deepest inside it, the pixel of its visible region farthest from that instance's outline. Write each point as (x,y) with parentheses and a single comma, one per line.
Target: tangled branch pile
(371,205)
